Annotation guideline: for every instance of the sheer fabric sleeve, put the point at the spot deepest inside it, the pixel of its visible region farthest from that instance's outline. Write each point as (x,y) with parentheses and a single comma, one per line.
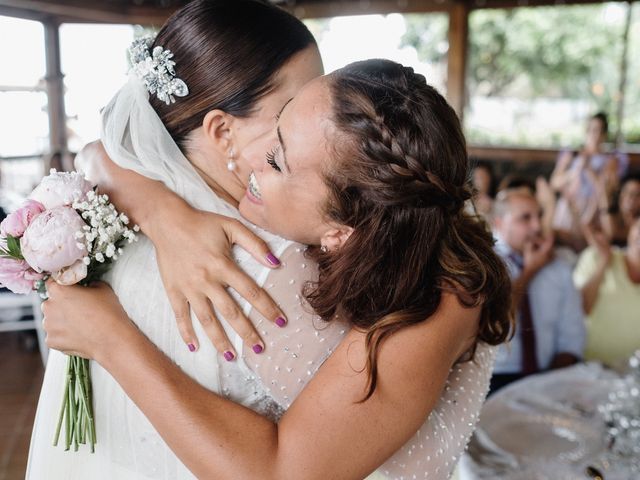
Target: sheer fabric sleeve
(294,353)
(433,452)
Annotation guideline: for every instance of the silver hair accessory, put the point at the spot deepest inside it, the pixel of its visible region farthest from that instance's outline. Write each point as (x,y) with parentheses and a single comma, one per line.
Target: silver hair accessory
(231,164)
(155,69)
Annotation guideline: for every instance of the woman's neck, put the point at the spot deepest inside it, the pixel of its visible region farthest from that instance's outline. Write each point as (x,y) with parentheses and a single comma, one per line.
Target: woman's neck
(591,149)
(216,185)
(213,170)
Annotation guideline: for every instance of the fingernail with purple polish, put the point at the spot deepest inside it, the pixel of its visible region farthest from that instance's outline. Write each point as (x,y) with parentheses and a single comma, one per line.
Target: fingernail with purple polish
(192,347)
(257,348)
(271,258)
(281,322)
(228,356)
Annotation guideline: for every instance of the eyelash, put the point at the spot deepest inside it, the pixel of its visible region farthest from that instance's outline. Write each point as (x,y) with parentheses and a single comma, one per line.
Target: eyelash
(271,159)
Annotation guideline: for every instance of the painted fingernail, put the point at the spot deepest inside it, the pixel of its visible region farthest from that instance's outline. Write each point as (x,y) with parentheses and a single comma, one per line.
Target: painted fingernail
(281,322)
(192,347)
(273,260)
(257,348)
(228,356)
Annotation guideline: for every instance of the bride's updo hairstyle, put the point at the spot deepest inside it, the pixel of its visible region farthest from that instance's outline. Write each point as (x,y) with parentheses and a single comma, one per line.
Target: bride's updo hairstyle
(228,52)
(399,176)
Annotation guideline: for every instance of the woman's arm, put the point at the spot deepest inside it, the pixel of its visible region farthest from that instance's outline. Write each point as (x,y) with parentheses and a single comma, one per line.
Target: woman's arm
(591,288)
(547,199)
(195,277)
(561,174)
(600,242)
(326,433)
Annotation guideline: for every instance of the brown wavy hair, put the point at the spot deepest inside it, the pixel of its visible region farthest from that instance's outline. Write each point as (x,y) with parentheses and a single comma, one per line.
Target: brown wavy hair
(400,178)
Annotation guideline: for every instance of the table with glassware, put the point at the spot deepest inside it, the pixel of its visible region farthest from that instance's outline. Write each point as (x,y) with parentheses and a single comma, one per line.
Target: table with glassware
(580,423)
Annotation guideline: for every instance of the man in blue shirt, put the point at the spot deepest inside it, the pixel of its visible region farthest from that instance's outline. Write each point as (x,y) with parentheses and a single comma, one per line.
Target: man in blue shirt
(550,330)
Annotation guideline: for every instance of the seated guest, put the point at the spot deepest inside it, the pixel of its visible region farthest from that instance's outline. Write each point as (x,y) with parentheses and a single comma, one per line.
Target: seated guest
(550,331)
(575,177)
(541,189)
(609,279)
(513,181)
(483,184)
(617,222)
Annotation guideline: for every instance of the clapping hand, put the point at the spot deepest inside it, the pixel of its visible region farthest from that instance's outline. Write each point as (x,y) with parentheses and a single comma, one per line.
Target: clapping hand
(537,253)
(598,240)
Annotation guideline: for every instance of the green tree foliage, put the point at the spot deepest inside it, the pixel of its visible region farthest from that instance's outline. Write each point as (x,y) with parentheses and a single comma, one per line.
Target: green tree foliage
(531,52)
(570,52)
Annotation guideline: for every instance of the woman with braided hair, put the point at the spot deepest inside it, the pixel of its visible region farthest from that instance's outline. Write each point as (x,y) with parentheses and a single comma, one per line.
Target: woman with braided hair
(367,166)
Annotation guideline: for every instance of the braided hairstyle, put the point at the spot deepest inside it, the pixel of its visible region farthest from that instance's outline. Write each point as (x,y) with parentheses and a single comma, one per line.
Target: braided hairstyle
(400,179)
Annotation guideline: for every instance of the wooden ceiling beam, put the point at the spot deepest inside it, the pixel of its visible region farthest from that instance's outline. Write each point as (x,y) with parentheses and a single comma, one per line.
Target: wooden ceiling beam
(335,8)
(78,11)
(21,13)
(481,4)
(70,8)
(92,11)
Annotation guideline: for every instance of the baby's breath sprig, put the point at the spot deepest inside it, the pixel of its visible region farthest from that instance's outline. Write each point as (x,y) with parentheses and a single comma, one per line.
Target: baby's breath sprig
(105,233)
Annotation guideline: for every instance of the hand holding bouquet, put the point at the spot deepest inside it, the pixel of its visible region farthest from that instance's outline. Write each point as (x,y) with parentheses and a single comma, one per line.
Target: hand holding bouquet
(69,233)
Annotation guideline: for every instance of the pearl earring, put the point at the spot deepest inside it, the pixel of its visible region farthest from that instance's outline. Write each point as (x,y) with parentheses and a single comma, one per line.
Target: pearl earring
(231,164)
(324,249)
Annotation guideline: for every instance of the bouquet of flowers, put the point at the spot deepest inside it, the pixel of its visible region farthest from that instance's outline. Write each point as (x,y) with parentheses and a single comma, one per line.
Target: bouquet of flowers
(67,232)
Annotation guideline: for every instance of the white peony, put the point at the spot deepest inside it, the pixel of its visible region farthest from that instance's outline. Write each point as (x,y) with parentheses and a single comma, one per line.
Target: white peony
(72,274)
(61,189)
(49,243)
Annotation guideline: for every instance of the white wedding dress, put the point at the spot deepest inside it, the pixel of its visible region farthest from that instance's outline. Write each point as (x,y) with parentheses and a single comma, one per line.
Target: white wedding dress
(128,446)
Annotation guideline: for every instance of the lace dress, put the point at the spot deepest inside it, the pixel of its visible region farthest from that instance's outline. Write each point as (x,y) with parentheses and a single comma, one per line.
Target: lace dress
(128,446)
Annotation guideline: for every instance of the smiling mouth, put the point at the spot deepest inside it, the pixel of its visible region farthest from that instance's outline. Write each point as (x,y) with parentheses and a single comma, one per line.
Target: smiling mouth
(254,189)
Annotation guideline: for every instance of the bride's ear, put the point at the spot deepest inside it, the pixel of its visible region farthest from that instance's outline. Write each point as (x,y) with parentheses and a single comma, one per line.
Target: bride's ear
(335,237)
(217,126)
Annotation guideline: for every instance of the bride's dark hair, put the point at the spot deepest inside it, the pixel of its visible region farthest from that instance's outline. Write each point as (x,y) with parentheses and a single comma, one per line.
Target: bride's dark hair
(228,52)
(400,177)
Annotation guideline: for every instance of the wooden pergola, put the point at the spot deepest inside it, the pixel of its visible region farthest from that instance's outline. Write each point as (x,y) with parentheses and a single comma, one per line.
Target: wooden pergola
(154,12)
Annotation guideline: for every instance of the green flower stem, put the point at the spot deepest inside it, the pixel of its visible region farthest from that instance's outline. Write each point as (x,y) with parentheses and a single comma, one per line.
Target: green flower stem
(78,394)
(77,408)
(86,376)
(63,408)
(73,410)
(69,401)
(84,417)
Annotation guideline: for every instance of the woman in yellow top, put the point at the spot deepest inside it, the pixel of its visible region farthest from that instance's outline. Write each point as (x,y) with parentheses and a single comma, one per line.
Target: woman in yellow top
(609,279)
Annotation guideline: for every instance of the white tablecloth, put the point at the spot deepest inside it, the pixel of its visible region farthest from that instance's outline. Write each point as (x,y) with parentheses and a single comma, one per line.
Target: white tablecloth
(545,427)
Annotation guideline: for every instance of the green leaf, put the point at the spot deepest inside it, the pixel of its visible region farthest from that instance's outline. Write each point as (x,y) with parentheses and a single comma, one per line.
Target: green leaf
(13,248)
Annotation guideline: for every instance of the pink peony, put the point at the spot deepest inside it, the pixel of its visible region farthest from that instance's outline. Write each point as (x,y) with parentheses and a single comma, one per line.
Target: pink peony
(61,189)
(49,244)
(17,222)
(72,274)
(17,276)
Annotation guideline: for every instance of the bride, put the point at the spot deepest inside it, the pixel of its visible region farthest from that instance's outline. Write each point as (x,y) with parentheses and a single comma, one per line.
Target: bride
(251,57)
(396,320)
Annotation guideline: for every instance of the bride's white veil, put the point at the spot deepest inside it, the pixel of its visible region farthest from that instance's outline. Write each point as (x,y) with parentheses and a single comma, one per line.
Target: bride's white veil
(136,139)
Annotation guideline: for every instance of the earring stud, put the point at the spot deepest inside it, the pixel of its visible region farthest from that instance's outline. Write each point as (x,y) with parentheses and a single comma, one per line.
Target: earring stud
(324,249)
